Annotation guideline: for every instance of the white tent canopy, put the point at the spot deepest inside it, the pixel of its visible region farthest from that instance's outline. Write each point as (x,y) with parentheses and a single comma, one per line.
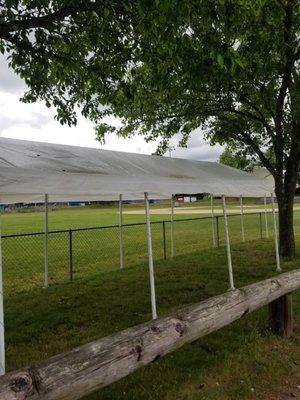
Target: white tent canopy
(36,172)
(28,170)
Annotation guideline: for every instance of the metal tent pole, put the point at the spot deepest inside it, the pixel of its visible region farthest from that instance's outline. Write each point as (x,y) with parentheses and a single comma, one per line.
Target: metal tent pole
(266,216)
(278,267)
(231,282)
(150,258)
(2,337)
(46,231)
(121,232)
(242,218)
(172,226)
(213,220)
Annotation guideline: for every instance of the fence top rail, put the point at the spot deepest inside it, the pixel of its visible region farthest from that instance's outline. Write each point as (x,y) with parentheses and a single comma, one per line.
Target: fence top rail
(126,225)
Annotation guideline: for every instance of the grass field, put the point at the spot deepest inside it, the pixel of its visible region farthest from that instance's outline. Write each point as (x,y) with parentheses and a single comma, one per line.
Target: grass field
(97,250)
(84,217)
(242,361)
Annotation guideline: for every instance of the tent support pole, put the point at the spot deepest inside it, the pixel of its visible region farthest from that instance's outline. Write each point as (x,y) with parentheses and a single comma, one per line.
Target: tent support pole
(213,221)
(121,231)
(266,216)
(150,258)
(278,267)
(242,218)
(229,260)
(172,226)
(2,336)
(46,227)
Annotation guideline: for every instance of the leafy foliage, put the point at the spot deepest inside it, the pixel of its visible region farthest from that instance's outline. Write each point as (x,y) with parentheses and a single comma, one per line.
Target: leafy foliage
(164,67)
(168,67)
(237,159)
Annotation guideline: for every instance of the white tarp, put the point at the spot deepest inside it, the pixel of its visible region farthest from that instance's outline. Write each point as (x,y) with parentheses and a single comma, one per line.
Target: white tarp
(29,170)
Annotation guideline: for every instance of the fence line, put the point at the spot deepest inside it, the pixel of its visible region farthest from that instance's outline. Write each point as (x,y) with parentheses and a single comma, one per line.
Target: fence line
(81,252)
(130,224)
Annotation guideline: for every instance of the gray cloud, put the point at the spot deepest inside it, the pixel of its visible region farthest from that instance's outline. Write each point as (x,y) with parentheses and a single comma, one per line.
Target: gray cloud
(34,120)
(204,152)
(10,82)
(197,148)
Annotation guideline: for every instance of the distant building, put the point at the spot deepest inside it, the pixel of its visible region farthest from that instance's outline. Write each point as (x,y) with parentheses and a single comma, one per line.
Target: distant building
(186,198)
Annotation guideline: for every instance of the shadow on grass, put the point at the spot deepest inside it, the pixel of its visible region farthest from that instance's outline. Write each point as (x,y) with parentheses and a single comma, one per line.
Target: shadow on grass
(236,362)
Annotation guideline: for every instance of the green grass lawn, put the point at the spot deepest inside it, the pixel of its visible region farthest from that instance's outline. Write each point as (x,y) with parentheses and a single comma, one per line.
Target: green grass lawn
(98,250)
(241,361)
(238,362)
(81,217)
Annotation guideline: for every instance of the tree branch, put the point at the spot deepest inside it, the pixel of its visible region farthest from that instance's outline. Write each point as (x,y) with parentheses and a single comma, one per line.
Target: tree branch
(290,58)
(244,114)
(247,139)
(46,20)
(255,108)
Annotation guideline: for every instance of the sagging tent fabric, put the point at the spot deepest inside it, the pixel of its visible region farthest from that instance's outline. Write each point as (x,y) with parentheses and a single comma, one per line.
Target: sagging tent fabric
(32,171)
(29,170)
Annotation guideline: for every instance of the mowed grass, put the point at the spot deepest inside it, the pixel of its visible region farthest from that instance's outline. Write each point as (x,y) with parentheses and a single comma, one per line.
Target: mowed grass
(84,217)
(241,361)
(98,250)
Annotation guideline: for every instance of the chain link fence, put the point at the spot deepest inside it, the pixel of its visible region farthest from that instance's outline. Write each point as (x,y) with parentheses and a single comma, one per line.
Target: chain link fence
(84,252)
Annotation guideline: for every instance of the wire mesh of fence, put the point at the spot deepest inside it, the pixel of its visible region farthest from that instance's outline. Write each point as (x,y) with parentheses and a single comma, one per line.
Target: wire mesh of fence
(84,252)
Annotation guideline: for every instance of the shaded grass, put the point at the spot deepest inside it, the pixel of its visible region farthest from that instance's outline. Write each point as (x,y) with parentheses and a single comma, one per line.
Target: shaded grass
(240,361)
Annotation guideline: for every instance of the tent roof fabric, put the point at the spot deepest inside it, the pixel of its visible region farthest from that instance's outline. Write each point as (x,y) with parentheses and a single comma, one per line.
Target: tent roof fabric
(29,170)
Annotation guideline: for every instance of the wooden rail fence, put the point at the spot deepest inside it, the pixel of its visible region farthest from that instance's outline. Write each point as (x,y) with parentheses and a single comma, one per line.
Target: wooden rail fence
(95,365)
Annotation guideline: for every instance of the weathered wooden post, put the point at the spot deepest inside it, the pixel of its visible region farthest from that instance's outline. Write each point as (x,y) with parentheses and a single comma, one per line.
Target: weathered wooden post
(281,316)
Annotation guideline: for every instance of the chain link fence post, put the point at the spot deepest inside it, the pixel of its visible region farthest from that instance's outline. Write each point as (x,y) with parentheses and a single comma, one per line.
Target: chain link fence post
(164,239)
(260,225)
(71,254)
(218,233)
(24,251)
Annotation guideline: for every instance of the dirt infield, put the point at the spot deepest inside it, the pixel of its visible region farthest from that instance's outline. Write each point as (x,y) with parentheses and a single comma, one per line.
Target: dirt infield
(199,210)
(193,210)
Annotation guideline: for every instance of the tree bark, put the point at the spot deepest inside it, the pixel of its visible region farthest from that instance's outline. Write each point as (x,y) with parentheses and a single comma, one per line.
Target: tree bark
(286,225)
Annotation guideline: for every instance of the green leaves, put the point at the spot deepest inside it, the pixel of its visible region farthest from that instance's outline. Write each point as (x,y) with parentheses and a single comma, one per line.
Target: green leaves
(163,67)
(220,60)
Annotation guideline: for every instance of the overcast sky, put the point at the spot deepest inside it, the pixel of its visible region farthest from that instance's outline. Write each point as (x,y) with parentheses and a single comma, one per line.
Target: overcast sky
(36,122)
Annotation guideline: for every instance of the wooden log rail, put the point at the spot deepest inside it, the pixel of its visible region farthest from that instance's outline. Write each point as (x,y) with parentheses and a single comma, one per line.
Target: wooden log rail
(83,370)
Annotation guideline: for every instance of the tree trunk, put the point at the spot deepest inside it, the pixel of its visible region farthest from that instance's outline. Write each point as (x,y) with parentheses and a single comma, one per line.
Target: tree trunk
(286,228)
(285,197)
